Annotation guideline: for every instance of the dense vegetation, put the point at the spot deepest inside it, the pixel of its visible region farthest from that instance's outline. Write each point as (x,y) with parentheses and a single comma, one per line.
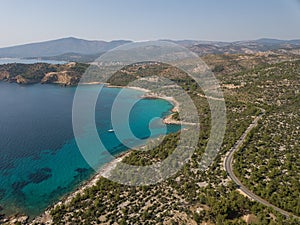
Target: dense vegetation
(269,162)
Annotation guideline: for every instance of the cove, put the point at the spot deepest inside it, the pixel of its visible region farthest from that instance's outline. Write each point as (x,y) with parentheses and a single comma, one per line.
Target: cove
(39,158)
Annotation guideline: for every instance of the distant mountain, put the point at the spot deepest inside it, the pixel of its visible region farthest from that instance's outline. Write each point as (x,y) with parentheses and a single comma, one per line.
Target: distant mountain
(277,41)
(79,50)
(60,47)
(244,47)
(188,43)
(73,57)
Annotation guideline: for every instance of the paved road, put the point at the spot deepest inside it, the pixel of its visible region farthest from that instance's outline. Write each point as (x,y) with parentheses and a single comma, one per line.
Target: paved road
(228,161)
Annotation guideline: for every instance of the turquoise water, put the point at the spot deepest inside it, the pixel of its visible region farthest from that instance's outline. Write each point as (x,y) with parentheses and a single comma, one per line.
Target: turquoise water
(40,161)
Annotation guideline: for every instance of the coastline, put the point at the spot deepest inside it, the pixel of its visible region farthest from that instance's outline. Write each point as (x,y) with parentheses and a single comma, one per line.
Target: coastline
(150,95)
(91,83)
(169,118)
(105,170)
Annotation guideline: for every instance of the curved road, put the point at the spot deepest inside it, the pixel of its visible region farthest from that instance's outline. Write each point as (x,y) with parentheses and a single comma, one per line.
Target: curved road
(228,161)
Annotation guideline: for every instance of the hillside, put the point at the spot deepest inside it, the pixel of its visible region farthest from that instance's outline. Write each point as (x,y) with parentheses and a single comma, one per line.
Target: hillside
(68,74)
(267,163)
(195,197)
(59,47)
(244,47)
(79,50)
(220,64)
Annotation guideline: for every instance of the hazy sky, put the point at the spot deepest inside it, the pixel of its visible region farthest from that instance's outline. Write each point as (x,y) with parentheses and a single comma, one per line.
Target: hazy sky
(24,21)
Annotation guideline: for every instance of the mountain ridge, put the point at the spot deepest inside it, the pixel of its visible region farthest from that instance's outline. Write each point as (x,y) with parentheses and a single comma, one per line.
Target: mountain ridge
(59,47)
(87,49)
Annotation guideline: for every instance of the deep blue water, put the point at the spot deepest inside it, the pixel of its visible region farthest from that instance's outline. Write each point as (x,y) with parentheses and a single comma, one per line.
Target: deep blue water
(39,159)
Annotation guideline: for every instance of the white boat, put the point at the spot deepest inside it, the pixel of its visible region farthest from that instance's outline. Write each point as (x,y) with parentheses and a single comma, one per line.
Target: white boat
(111,130)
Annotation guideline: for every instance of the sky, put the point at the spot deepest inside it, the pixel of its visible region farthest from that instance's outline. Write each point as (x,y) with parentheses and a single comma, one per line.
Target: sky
(27,21)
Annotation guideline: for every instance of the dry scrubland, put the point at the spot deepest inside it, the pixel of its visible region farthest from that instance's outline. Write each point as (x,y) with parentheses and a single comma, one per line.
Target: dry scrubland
(268,163)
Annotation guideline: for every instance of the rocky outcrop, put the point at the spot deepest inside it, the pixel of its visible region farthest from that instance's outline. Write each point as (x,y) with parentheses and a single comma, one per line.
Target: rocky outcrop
(64,78)
(4,75)
(21,80)
(17,219)
(66,74)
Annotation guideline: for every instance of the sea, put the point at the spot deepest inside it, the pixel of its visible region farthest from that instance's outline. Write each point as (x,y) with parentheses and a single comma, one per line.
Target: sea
(28,61)
(39,158)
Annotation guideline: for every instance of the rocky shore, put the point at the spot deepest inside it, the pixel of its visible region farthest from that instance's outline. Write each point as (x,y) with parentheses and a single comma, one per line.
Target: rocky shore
(64,74)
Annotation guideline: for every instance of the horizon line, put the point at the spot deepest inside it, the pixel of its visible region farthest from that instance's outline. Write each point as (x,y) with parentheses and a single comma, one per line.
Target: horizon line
(161,39)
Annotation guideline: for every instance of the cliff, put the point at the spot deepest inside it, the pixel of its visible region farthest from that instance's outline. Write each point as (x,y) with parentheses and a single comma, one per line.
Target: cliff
(67,78)
(68,74)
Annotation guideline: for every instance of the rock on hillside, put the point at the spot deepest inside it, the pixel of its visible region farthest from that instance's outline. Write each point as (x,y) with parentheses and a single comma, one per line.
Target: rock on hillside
(67,78)
(66,75)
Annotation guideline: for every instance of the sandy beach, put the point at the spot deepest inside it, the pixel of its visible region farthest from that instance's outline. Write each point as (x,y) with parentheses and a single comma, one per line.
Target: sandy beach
(105,171)
(92,83)
(148,94)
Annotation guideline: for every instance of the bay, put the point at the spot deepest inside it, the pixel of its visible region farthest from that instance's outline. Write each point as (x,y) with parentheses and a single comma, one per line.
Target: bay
(39,159)
(28,61)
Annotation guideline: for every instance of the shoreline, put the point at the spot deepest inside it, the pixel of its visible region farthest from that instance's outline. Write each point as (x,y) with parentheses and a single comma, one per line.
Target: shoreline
(169,118)
(150,95)
(106,169)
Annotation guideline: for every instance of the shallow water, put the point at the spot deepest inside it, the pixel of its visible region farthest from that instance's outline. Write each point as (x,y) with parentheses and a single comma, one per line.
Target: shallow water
(40,161)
